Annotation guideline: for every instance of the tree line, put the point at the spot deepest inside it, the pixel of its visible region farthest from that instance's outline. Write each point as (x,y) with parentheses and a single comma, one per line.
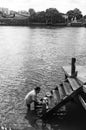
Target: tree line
(50,16)
(53,16)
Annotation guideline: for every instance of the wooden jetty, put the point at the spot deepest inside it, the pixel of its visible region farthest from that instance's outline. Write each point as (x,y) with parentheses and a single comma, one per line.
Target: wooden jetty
(71,88)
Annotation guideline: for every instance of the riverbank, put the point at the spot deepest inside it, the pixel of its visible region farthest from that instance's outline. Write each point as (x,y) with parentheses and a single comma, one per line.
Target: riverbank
(25,22)
(44,24)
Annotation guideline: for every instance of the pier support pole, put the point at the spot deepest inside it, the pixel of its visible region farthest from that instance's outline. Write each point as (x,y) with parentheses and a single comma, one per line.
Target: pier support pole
(73,68)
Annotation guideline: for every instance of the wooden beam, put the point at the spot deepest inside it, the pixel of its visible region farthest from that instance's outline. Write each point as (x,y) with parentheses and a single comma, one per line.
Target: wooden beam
(67,88)
(73,67)
(61,92)
(73,84)
(80,69)
(82,102)
(57,96)
(84,88)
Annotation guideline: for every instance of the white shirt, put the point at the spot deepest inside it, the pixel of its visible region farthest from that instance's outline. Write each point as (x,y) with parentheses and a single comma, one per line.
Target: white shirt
(30,97)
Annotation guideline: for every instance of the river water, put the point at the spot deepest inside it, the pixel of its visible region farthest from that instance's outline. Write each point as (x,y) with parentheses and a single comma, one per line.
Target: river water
(32,56)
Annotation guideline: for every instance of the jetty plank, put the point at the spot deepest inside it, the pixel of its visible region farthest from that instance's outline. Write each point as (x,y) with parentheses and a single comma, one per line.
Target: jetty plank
(61,92)
(67,70)
(73,83)
(58,96)
(67,88)
(82,102)
(84,88)
(80,69)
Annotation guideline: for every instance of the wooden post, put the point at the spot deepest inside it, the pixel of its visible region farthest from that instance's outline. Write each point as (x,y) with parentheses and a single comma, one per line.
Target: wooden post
(82,102)
(73,68)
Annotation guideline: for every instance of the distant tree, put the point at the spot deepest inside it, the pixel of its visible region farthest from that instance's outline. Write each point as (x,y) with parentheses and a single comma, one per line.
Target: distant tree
(1,12)
(53,16)
(50,16)
(77,14)
(31,11)
(70,14)
(41,17)
(74,13)
(84,16)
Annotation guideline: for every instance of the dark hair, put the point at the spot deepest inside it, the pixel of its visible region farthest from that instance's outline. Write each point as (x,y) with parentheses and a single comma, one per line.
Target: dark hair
(37,88)
(56,88)
(51,91)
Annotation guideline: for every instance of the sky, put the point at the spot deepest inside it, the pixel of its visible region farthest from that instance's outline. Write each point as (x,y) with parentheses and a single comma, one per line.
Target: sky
(40,5)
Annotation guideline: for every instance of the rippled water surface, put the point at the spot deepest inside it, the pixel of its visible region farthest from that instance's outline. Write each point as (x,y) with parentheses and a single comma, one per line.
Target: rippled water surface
(31,56)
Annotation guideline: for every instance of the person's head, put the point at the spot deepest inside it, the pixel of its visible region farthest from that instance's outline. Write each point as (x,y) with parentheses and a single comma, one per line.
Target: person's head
(56,88)
(37,89)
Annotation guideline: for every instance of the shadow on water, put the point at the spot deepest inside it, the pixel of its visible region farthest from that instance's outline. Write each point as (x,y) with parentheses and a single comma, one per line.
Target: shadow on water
(53,123)
(45,27)
(74,119)
(35,122)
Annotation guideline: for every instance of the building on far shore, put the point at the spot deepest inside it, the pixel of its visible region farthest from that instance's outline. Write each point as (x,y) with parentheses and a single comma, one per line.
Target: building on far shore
(64,16)
(23,12)
(76,23)
(5,10)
